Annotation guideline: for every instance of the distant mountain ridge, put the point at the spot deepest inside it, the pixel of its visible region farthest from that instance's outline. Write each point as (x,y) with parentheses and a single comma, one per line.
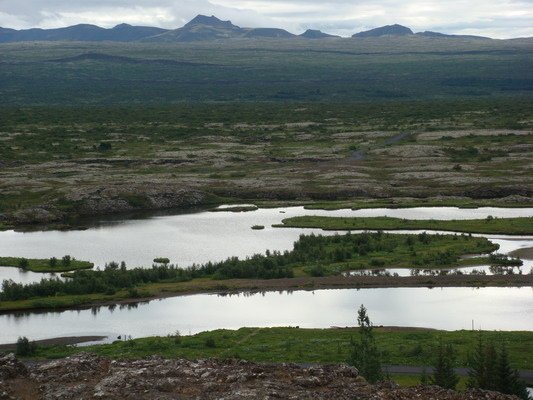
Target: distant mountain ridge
(200,28)
(315,34)
(81,32)
(388,30)
(438,34)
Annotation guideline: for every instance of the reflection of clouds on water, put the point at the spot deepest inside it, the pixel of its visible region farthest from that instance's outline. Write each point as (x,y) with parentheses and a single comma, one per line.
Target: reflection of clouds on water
(204,236)
(449,308)
(21,276)
(209,236)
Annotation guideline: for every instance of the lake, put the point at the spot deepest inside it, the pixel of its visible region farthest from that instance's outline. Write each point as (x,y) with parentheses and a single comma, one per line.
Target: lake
(448,308)
(209,236)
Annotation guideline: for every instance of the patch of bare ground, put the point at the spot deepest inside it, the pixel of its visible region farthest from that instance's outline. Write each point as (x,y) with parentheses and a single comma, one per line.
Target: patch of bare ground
(526,253)
(411,151)
(474,132)
(87,376)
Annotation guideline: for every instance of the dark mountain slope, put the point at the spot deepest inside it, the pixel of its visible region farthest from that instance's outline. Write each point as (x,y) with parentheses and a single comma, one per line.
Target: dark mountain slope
(82,33)
(316,34)
(388,30)
(200,28)
(444,35)
(268,33)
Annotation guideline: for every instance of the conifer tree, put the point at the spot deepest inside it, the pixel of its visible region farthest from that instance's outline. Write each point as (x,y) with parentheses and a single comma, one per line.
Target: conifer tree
(490,369)
(507,379)
(365,355)
(444,374)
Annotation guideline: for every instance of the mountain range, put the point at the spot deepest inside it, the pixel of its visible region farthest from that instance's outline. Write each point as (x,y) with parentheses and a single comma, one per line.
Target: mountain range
(201,28)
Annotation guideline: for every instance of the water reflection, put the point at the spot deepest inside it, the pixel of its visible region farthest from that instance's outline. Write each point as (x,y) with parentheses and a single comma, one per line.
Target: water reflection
(202,236)
(22,276)
(475,270)
(449,308)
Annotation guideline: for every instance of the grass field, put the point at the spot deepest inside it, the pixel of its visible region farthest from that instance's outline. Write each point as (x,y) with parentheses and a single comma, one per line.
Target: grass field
(399,346)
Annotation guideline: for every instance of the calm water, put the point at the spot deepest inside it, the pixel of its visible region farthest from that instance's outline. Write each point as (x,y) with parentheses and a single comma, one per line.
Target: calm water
(450,308)
(19,275)
(204,236)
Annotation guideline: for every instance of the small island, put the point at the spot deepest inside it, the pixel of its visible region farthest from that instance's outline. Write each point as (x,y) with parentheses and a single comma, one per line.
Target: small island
(46,265)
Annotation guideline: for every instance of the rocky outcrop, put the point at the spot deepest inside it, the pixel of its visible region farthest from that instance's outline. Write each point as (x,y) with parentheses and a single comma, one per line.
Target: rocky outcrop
(122,198)
(36,215)
(91,201)
(496,192)
(86,376)
(10,367)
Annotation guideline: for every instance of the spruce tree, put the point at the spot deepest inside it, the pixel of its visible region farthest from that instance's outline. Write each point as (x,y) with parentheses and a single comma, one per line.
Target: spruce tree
(490,370)
(444,374)
(365,355)
(507,379)
(477,376)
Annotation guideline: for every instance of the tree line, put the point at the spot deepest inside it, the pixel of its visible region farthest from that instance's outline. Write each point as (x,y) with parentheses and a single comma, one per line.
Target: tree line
(271,265)
(489,366)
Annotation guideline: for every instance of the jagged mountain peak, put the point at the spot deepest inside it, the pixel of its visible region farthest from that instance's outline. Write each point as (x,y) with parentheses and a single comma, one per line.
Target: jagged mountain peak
(209,21)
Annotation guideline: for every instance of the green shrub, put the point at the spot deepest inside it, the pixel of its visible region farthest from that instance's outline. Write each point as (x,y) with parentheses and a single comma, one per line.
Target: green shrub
(24,263)
(25,347)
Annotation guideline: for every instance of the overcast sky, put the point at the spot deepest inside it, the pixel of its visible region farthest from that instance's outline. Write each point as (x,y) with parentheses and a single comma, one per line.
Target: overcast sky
(494,18)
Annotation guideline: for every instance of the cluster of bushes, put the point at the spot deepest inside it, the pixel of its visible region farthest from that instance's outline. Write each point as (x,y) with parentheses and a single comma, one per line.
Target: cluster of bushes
(24,347)
(310,250)
(504,260)
(114,277)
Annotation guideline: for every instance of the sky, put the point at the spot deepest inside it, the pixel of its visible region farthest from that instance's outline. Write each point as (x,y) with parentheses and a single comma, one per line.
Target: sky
(500,19)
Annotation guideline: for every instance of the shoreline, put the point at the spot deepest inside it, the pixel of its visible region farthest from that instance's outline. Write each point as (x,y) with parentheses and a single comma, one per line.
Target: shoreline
(61,341)
(238,286)
(84,222)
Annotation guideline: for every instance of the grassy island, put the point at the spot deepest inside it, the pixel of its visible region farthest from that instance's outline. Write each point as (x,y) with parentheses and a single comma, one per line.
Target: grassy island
(65,264)
(489,225)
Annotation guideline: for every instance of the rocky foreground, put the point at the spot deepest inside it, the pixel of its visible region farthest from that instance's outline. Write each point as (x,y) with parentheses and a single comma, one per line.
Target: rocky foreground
(87,376)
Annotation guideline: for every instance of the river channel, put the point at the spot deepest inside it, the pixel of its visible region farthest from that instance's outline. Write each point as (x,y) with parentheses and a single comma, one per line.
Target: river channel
(203,236)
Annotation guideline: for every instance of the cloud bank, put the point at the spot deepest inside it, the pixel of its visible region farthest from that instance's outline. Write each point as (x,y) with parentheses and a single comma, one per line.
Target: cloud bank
(494,18)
